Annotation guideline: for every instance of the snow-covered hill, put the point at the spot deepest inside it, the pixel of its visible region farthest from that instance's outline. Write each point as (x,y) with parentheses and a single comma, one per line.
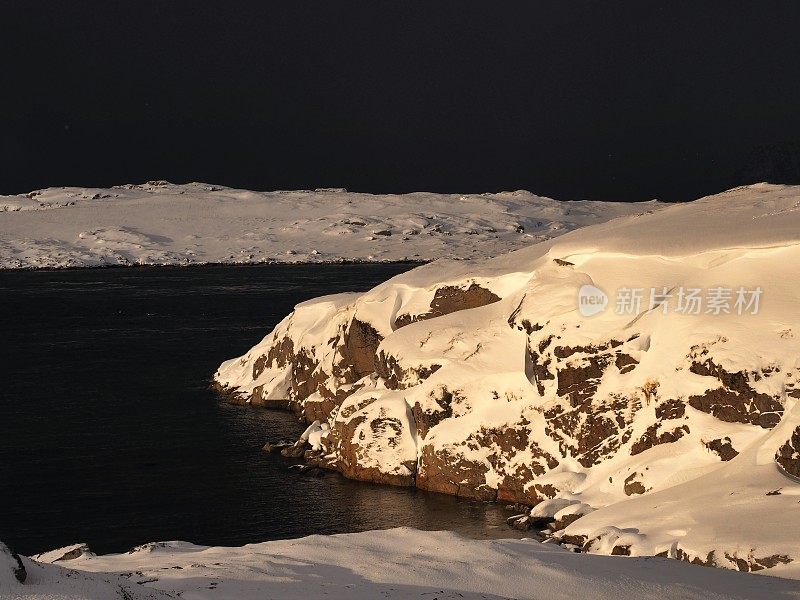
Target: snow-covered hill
(393,564)
(159,223)
(636,381)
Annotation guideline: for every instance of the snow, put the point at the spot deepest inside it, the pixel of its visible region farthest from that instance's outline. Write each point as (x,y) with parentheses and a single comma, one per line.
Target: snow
(687,501)
(396,563)
(690,503)
(160,223)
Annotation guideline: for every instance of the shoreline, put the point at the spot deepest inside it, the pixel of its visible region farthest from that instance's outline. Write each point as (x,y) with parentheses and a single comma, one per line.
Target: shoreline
(311,459)
(167,266)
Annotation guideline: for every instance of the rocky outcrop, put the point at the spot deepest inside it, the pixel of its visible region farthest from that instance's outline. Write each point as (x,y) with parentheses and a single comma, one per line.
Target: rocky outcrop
(448,299)
(359,352)
(723,448)
(735,401)
(487,381)
(510,451)
(788,455)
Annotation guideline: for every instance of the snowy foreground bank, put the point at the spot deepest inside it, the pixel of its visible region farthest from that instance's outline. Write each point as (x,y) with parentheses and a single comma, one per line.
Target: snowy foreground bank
(634,384)
(399,563)
(159,223)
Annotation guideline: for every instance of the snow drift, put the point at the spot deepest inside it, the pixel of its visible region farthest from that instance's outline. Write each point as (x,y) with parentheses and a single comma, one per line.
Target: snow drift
(666,424)
(393,564)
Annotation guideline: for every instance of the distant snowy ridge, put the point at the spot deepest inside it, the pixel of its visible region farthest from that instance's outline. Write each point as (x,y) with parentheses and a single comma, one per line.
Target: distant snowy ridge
(159,223)
(649,428)
(394,564)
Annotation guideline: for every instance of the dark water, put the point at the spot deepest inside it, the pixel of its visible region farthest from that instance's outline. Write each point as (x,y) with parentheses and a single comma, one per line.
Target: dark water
(110,435)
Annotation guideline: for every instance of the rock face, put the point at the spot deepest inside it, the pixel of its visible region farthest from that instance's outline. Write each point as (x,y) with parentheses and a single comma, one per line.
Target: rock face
(788,455)
(485,380)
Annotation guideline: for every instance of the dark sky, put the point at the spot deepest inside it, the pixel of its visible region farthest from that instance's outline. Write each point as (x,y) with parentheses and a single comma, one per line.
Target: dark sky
(595,100)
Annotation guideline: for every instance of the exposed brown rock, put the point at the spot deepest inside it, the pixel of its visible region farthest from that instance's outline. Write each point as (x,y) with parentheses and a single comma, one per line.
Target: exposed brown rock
(758,564)
(449,299)
(360,346)
(257,399)
(546,490)
(449,473)
(621,550)
(670,409)
(599,430)
(395,377)
(74,553)
(579,382)
(788,455)
(708,561)
(537,370)
(723,447)
(567,351)
(733,407)
(427,418)
(351,453)
(279,355)
(633,487)
(654,437)
(625,363)
(770,561)
(446,470)
(294,451)
(734,401)
(574,540)
(564,522)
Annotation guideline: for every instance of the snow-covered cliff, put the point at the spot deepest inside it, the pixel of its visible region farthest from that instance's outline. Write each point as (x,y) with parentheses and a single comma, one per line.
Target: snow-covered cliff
(667,422)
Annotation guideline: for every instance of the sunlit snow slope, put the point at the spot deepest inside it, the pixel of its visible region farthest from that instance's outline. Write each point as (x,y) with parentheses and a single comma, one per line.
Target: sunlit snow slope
(671,428)
(394,564)
(159,223)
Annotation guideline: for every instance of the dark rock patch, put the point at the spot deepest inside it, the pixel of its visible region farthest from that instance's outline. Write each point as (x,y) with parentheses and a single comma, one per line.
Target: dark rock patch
(426,418)
(361,342)
(723,447)
(788,455)
(625,363)
(449,299)
(670,409)
(564,522)
(708,561)
(449,473)
(735,401)
(350,451)
(598,430)
(573,540)
(633,487)
(537,370)
(621,550)
(750,565)
(395,377)
(734,407)
(654,437)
